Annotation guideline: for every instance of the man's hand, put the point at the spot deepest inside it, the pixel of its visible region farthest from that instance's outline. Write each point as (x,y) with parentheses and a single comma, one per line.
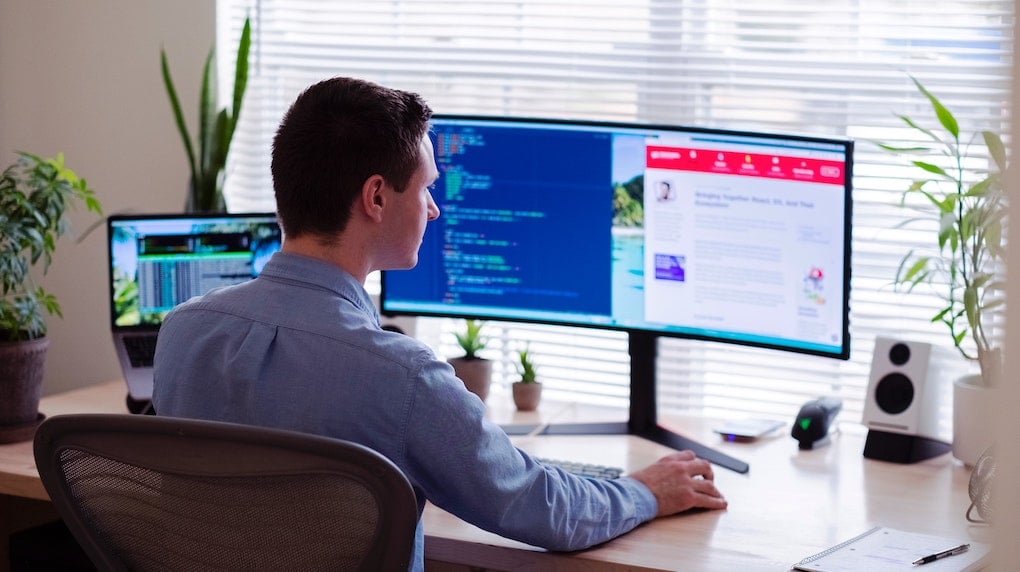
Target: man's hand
(681,481)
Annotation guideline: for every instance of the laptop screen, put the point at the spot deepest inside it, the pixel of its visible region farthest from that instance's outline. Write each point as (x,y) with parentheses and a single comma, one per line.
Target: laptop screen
(159,261)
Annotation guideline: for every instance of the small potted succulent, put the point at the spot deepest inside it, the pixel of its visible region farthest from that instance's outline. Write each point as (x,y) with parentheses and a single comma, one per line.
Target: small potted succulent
(474,370)
(528,391)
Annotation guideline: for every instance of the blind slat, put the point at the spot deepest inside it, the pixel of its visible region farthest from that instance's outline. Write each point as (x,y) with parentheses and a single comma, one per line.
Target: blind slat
(831,67)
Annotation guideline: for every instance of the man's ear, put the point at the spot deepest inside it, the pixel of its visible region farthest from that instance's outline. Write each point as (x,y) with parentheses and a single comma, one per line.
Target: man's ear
(373,199)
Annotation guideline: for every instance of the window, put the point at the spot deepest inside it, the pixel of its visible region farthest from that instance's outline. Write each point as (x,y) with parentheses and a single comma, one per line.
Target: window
(830,67)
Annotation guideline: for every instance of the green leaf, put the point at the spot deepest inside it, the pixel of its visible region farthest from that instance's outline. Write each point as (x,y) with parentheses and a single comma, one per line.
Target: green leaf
(993,238)
(207,113)
(240,80)
(996,149)
(980,188)
(918,266)
(958,339)
(471,339)
(945,117)
(175,104)
(970,303)
(526,367)
(895,149)
(931,135)
(914,187)
(221,140)
(93,205)
(940,315)
(933,169)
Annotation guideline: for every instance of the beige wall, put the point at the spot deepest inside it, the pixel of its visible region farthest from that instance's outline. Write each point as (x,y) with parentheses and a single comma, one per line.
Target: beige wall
(82,77)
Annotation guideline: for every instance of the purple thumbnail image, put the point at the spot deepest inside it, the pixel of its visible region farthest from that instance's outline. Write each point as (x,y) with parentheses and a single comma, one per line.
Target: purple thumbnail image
(669,267)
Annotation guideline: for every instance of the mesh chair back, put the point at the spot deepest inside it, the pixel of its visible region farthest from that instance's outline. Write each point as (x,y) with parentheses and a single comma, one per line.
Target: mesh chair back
(159,493)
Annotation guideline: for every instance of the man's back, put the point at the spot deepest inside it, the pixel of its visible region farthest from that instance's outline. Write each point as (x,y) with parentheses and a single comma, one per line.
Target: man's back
(297,349)
(300,348)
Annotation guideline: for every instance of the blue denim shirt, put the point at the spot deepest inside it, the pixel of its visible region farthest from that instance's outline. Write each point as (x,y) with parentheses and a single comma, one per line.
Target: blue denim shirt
(300,348)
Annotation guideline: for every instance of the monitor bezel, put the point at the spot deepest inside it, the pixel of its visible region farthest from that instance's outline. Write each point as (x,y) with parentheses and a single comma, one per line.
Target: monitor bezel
(119,218)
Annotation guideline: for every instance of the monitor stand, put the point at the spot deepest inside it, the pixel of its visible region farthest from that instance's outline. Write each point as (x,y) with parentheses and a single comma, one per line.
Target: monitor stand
(643,347)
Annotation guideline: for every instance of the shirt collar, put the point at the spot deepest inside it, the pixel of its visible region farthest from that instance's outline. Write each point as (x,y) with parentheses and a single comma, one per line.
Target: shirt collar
(312,271)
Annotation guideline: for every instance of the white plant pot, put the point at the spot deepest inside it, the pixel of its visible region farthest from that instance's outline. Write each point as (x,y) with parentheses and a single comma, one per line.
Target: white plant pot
(973,419)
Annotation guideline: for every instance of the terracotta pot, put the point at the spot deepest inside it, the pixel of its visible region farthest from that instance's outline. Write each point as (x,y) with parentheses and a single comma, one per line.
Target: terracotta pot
(21,376)
(527,395)
(476,373)
(973,422)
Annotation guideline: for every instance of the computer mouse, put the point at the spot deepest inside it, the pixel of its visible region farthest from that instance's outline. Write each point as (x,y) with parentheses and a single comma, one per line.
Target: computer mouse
(811,427)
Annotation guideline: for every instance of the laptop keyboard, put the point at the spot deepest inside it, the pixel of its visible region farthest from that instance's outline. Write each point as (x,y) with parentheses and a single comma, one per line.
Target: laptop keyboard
(140,349)
(584,469)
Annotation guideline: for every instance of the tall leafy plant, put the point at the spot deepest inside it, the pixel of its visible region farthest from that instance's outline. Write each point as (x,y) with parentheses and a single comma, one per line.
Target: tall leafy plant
(34,195)
(962,184)
(215,127)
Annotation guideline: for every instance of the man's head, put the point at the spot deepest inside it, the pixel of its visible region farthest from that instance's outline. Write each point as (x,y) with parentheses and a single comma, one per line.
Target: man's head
(339,133)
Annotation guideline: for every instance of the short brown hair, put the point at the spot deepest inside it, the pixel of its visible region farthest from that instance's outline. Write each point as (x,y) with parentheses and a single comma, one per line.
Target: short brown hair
(337,134)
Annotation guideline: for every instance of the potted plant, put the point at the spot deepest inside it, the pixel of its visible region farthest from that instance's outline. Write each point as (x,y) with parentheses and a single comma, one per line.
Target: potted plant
(474,370)
(215,128)
(528,391)
(34,194)
(963,191)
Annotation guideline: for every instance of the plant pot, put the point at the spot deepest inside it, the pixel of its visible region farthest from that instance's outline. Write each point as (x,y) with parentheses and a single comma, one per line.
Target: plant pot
(527,395)
(21,376)
(476,373)
(973,419)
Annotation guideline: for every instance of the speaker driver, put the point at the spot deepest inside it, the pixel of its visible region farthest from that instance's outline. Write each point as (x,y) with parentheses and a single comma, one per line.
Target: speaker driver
(894,393)
(899,354)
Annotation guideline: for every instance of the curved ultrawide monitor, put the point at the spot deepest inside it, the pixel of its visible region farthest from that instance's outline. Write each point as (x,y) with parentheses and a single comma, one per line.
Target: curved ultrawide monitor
(719,235)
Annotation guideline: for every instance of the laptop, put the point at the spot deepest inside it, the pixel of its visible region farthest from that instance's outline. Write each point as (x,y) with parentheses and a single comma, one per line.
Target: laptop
(157,261)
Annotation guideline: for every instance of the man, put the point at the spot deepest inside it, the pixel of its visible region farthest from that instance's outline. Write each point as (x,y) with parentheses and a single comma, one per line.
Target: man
(300,347)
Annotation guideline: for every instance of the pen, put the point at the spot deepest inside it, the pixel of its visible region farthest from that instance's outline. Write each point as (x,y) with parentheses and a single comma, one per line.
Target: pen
(940,555)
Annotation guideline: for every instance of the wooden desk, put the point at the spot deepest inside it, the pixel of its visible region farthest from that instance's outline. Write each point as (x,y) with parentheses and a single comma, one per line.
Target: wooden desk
(23,500)
(792,503)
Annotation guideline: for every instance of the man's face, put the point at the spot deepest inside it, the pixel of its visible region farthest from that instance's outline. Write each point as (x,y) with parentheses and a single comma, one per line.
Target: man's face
(412,209)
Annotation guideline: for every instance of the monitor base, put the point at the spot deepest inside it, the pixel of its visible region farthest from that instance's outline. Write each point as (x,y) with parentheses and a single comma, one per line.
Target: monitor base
(905,449)
(643,348)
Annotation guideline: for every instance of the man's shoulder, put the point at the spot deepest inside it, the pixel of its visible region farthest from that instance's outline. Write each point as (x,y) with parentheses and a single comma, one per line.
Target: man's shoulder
(399,348)
(210,300)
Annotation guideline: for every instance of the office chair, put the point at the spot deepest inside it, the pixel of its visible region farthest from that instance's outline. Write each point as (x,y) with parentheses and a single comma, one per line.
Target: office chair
(159,493)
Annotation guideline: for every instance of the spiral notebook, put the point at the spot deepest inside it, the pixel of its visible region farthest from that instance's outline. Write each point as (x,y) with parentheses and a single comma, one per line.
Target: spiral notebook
(887,549)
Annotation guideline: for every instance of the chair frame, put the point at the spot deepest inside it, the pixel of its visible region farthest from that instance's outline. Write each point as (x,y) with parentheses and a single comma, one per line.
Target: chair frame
(219,449)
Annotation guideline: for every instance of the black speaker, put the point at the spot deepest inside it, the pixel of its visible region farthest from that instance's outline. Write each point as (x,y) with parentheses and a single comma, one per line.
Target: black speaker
(908,389)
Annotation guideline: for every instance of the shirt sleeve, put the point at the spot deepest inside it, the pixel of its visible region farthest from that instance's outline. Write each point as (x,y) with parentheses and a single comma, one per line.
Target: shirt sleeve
(468,466)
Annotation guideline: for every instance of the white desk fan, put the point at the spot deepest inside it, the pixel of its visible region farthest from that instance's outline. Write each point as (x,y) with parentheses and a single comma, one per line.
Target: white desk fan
(980,488)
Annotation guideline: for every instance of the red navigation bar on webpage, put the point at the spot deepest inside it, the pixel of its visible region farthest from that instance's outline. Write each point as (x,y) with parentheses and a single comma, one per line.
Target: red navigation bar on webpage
(746,164)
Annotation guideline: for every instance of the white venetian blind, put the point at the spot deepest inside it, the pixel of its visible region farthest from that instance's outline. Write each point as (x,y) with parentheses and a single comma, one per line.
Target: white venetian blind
(828,67)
